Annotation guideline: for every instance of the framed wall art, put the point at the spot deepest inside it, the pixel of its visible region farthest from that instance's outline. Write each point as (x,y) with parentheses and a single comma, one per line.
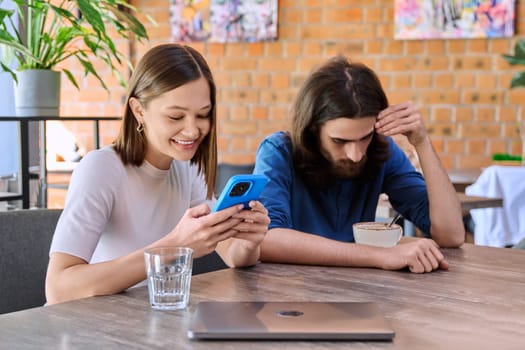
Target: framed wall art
(223,20)
(454,19)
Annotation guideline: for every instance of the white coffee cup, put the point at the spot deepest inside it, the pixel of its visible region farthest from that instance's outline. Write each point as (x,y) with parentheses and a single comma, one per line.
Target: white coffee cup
(377,234)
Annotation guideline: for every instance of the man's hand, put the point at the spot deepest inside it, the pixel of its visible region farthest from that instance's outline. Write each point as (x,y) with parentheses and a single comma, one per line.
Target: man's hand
(420,255)
(405,119)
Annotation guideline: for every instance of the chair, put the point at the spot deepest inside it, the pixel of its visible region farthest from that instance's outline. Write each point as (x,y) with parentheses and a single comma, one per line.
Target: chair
(208,263)
(24,255)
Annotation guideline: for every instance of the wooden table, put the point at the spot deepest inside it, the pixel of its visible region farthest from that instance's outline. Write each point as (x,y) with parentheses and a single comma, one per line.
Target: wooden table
(461,178)
(478,304)
(477,202)
(467,203)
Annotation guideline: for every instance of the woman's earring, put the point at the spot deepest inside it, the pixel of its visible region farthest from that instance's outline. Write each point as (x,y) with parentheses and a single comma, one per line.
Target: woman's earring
(140,128)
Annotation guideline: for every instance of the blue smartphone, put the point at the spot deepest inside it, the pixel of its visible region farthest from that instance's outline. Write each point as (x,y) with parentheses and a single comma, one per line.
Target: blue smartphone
(241,189)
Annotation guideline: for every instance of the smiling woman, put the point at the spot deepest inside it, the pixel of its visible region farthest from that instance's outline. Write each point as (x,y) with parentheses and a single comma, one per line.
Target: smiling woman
(174,131)
(152,187)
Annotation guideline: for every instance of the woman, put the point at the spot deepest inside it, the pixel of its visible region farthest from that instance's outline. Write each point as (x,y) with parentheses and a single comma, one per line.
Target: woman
(152,187)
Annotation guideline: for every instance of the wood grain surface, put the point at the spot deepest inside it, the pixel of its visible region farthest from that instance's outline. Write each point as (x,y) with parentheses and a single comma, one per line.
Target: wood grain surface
(479,303)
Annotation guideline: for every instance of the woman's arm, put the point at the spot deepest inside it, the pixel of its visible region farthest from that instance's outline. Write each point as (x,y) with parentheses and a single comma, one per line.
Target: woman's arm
(70,277)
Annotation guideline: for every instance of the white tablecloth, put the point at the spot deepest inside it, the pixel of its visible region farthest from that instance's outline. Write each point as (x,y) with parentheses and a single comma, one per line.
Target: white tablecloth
(499,227)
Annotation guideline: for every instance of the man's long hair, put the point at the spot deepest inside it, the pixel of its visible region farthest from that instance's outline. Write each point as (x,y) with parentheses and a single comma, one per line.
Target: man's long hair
(338,89)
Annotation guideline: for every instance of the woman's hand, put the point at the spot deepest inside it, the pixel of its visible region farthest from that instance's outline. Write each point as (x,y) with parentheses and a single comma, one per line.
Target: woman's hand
(202,230)
(421,255)
(244,248)
(253,224)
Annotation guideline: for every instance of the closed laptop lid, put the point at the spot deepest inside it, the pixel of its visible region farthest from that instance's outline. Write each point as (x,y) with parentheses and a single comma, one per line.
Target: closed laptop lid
(289,320)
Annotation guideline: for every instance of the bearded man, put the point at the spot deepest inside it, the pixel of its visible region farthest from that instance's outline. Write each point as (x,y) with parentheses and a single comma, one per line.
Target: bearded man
(328,172)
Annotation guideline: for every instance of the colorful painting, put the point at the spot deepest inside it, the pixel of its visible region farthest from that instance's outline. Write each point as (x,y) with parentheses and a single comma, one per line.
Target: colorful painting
(189,20)
(432,19)
(223,20)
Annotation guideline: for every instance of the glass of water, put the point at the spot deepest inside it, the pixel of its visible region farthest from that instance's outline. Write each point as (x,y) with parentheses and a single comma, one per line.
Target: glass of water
(168,271)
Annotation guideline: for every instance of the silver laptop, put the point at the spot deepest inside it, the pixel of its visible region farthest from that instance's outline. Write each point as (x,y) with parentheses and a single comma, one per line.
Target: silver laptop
(289,320)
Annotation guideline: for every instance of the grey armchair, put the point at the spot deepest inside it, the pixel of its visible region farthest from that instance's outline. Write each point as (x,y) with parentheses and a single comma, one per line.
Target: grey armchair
(25,237)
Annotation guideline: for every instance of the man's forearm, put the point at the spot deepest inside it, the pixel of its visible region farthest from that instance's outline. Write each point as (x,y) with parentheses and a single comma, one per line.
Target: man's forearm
(294,247)
(444,206)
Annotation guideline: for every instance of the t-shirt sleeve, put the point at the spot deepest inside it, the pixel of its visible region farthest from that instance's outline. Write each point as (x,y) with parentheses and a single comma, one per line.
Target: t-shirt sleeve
(89,203)
(406,189)
(274,160)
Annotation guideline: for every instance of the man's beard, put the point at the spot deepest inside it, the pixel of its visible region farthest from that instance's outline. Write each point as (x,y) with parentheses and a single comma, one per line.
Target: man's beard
(347,169)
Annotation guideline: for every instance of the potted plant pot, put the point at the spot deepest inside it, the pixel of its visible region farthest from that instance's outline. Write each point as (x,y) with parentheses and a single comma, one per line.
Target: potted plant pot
(37,93)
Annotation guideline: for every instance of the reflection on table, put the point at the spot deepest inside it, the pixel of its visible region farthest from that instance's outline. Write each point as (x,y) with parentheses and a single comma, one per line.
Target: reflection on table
(477,304)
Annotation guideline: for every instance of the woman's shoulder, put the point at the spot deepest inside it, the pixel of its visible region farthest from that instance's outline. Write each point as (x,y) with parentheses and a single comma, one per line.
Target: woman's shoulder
(106,153)
(101,161)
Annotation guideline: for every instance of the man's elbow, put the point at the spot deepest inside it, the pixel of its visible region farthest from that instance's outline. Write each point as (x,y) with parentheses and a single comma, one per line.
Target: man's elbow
(450,239)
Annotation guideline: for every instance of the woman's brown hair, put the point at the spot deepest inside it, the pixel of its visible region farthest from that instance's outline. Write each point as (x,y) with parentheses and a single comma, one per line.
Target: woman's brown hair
(162,69)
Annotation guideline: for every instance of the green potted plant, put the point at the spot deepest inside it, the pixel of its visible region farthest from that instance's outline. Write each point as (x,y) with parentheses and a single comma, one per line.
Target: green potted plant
(40,35)
(517,58)
(519,80)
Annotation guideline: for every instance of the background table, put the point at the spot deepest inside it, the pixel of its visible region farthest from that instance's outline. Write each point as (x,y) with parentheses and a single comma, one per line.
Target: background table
(477,304)
(385,209)
(476,202)
(461,178)
(24,152)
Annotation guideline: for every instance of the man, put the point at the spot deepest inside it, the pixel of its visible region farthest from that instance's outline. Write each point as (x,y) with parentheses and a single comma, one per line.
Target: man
(329,171)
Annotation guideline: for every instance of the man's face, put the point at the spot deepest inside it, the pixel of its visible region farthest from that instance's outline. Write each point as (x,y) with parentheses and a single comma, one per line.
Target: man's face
(344,143)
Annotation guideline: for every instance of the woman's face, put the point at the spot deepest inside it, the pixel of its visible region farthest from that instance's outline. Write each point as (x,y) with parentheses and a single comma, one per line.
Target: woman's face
(175,123)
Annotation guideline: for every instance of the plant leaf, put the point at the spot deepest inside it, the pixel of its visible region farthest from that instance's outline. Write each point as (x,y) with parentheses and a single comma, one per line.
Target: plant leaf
(49,32)
(518,80)
(8,70)
(88,68)
(514,59)
(71,77)
(92,16)
(519,49)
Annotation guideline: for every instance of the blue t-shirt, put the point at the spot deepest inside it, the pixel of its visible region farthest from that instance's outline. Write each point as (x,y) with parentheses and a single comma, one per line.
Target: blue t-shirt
(332,211)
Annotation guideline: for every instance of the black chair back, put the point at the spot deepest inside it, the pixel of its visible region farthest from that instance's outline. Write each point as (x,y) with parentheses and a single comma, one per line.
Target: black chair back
(25,238)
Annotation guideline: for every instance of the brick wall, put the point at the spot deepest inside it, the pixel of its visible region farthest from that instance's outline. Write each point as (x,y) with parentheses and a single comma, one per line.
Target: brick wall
(462,85)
